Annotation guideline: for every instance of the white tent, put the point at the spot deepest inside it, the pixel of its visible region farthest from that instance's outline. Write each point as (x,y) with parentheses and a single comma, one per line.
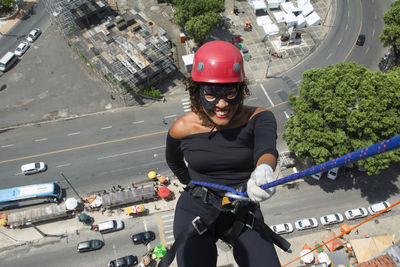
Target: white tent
(272,4)
(271,29)
(259,5)
(188,61)
(307,9)
(288,7)
(279,16)
(301,3)
(301,21)
(313,19)
(262,20)
(290,19)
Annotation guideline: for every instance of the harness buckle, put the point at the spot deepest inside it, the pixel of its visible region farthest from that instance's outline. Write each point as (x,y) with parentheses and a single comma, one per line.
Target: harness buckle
(250,220)
(204,193)
(200,227)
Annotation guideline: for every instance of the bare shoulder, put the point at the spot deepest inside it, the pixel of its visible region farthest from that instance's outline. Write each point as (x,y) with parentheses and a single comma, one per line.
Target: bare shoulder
(257,110)
(186,125)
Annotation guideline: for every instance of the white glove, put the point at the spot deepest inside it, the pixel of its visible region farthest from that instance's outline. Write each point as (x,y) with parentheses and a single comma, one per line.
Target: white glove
(261,175)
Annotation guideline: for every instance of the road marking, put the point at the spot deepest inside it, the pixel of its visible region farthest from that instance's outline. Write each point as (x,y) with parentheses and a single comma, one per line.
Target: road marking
(339,42)
(107,127)
(366,51)
(161,230)
(42,139)
(84,146)
(287,115)
(130,152)
(347,26)
(251,99)
(75,133)
(170,116)
(187,110)
(18,173)
(136,122)
(10,145)
(169,220)
(169,231)
(359,31)
(63,165)
(185,102)
(330,54)
(168,215)
(265,92)
(373,32)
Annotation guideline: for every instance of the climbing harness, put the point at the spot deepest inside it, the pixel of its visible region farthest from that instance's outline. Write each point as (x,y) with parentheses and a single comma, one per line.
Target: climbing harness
(242,206)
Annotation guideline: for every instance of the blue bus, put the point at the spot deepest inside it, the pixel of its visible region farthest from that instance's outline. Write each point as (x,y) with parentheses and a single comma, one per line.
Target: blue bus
(17,196)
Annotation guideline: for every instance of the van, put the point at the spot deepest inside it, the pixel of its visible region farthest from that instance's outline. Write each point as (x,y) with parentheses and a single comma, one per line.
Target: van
(110,226)
(7,61)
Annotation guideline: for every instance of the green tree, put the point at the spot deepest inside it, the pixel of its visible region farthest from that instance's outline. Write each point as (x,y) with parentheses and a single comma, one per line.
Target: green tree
(200,27)
(198,17)
(341,109)
(391,32)
(6,5)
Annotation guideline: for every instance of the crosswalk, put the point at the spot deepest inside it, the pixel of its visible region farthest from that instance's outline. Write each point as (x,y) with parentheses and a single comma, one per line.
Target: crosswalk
(186,104)
(166,223)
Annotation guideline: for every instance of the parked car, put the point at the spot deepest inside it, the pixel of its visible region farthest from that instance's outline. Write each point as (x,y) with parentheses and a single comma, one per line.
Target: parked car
(331,219)
(361,40)
(317,175)
(143,237)
(33,35)
(306,223)
(356,213)
(89,245)
(332,173)
(282,228)
(21,48)
(375,208)
(32,168)
(110,226)
(124,261)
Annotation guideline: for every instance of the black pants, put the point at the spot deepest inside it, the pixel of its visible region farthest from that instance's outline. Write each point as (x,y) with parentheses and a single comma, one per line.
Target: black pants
(250,249)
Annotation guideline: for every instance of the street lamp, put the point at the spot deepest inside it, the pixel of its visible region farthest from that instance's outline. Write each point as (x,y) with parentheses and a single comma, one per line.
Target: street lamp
(76,192)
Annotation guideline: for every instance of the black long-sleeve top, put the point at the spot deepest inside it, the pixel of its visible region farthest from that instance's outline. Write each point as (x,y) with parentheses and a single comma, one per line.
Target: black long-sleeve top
(225,157)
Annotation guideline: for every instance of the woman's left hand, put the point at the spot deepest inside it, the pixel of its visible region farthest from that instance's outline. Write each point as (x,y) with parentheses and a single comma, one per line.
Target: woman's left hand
(261,175)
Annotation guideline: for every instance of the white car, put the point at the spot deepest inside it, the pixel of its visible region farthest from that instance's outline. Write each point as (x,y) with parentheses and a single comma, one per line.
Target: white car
(282,228)
(331,219)
(33,35)
(317,175)
(375,208)
(307,223)
(332,173)
(356,213)
(21,48)
(32,168)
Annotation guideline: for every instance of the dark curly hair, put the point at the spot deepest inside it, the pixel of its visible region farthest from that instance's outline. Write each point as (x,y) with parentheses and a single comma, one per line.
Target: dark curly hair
(194,92)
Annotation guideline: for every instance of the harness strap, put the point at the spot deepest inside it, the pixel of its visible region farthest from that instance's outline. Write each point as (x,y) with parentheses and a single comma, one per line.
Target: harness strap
(198,227)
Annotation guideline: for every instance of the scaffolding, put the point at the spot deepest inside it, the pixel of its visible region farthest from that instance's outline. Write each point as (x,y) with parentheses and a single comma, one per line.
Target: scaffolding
(127,48)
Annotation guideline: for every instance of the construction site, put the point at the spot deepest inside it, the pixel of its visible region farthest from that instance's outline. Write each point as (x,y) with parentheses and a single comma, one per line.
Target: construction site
(129,49)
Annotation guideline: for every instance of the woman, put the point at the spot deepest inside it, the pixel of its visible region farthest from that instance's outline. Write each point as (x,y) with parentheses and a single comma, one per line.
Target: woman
(223,142)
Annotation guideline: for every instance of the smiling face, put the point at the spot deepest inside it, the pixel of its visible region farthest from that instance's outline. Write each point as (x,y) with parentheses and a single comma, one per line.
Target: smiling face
(220,102)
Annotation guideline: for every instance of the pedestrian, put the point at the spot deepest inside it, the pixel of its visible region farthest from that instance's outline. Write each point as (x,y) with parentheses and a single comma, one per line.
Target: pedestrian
(227,143)
(163,121)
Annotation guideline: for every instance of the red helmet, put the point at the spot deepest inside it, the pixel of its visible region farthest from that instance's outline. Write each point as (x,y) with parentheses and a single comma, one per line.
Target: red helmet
(218,62)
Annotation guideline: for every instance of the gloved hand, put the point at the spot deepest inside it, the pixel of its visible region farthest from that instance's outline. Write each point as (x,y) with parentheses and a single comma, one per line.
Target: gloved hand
(262,174)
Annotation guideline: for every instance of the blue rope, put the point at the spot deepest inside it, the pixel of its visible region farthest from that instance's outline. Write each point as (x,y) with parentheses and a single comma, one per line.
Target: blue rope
(375,149)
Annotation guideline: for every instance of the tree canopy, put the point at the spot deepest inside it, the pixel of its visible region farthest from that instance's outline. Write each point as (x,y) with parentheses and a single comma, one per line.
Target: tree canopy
(391,32)
(341,109)
(6,4)
(198,17)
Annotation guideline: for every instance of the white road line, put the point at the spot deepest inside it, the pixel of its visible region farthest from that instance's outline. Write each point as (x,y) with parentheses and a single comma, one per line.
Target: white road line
(136,122)
(168,225)
(330,54)
(373,32)
(185,99)
(107,127)
(339,42)
(63,165)
(7,145)
(287,115)
(186,103)
(169,220)
(187,110)
(169,237)
(347,26)
(366,51)
(251,99)
(265,92)
(170,116)
(348,12)
(43,139)
(169,231)
(130,152)
(74,133)
(168,215)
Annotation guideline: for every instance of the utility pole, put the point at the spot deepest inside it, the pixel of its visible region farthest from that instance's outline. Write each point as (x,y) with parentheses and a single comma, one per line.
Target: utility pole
(76,192)
(269,62)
